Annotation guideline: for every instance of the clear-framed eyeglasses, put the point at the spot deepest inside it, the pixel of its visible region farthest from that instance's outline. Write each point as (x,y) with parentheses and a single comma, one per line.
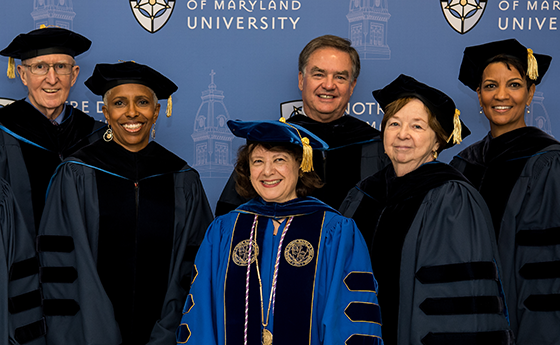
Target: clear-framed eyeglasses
(42,68)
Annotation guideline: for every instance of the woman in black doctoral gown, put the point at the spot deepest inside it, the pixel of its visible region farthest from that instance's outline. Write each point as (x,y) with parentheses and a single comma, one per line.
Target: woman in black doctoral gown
(428,230)
(123,220)
(516,168)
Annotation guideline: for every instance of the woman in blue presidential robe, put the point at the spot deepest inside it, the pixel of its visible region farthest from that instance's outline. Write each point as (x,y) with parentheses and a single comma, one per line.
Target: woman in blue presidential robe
(428,230)
(124,217)
(283,268)
(516,168)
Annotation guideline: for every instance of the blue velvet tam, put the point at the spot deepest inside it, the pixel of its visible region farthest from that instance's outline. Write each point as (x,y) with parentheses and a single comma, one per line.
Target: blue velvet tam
(49,40)
(107,76)
(275,131)
(440,105)
(476,58)
(280,132)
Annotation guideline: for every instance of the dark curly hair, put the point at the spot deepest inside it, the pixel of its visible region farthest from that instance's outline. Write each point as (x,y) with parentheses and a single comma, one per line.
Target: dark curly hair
(307,182)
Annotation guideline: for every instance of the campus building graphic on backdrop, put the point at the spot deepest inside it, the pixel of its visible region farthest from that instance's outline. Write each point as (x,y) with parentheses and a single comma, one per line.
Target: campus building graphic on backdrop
(368,20)
(152,15)
(212,137)
(463,15)
(538,116)
(58,13)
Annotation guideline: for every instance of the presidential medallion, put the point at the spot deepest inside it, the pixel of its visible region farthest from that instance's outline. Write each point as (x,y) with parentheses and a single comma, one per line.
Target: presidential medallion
(299,253)
(266,337)
(241,253)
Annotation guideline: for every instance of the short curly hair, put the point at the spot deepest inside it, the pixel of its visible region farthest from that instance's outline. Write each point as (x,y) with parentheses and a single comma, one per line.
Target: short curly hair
(306,184)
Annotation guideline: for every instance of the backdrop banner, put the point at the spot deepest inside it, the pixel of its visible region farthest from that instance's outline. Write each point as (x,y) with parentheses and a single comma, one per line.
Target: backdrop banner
(237,59)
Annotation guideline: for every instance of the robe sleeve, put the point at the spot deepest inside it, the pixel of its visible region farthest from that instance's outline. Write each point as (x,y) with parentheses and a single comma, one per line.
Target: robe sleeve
(76,304)
(203,312)
(450,272)
(192,217)
(530,248)
(346,311)
(21,316)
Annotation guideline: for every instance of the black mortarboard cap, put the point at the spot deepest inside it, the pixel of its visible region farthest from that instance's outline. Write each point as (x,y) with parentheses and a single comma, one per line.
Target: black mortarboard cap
(440,105)
(107,76)
(476,58)
(50,40)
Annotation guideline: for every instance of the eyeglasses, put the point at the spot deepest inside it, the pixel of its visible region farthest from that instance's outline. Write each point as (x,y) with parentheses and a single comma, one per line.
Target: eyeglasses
(42,68)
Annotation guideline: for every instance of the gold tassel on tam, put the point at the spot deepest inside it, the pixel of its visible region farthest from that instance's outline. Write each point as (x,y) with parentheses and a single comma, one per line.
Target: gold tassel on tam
(532,66)
(456,134)
(307,160)
(169,107)
(11,68)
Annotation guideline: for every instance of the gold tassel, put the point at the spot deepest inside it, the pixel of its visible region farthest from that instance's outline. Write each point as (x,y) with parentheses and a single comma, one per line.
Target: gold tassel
(456,134)
(307,159)
(532,66)
(169,107)
(11,68)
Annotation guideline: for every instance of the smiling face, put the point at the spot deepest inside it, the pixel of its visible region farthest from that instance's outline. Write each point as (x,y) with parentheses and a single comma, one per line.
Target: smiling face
(326,85)
(408,139)
(273,174)
(48,92)
(131,110)
(503,96)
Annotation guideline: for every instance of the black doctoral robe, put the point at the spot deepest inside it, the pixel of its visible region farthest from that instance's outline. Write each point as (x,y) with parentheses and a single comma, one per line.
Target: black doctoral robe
(434,255)
(31,148)
(118,239)
(518,174)
(355,152)
(21,318)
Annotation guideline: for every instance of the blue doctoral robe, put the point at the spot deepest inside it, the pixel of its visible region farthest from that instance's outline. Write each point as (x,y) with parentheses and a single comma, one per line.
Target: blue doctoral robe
(434,255)
(21,315)
(518,174)
(117,243)
(31,148)
(338,306)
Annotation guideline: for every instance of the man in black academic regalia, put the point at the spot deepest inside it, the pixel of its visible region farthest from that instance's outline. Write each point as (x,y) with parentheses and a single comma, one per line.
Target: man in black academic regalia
(39,131)
(328,71)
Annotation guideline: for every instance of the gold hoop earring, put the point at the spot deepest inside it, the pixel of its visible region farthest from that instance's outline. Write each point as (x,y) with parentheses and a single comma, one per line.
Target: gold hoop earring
(434,154)
(108,135)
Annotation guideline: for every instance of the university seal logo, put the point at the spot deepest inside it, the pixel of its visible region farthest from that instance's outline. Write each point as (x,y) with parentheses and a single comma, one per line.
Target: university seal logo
(241,253)
(152,15)
(463,15)
(299,253)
